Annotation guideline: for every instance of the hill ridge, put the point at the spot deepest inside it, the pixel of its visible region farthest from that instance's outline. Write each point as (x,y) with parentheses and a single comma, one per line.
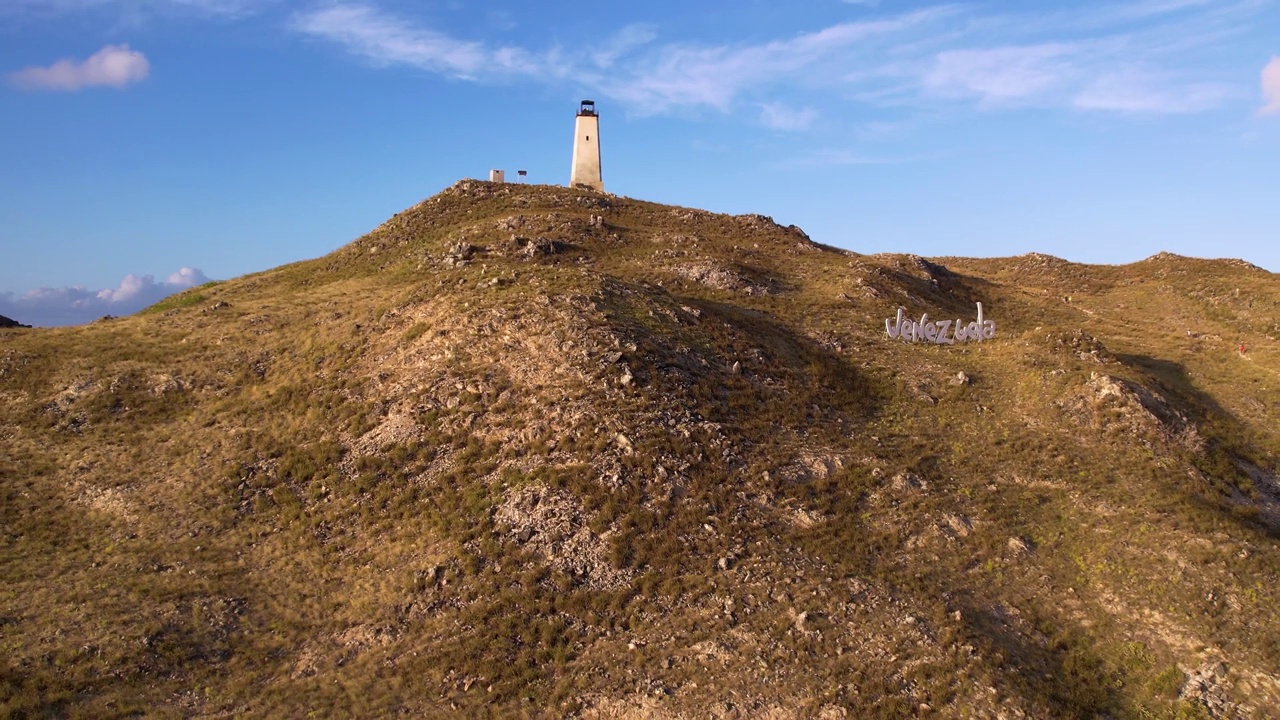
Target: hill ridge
(532,450)
(11,323)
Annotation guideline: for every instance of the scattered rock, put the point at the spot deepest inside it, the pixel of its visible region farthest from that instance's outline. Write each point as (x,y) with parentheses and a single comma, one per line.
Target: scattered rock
(1209,687)
(1018,546)
(688,215)
(165,383)
(593,201)
(959,524)
(809,466)
(530,248)
(460,254)
(921,392)
(802,621)
(722,277)
(1126,406)
(907,481)
(623,442)
(1082,345)
(552,522)
(935,273)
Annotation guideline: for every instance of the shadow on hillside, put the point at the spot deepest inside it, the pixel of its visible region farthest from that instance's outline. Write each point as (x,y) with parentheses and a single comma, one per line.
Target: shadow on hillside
(936,283)
(1226,439)
(1061,673)
(954,294)
(817,382)
(1173,378)
(1017,307)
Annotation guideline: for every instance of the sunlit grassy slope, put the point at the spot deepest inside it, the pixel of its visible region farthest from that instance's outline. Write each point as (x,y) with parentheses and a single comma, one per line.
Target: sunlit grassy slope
(529,451)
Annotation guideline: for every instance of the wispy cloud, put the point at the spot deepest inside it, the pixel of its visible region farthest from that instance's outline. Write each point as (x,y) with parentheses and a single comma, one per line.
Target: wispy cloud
(230,8)
(113,66)
(386,39)
(684,75)
(1093,76)
(1144,9)
(46,307)
(1130,57)
(1002,75)
(624,42)
(1102,62)
(777,116)
(1271,88)
(649,79)
(1134,91)
(137,8)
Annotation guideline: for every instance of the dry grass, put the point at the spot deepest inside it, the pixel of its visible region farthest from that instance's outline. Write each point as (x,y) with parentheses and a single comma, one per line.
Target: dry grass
(277,495)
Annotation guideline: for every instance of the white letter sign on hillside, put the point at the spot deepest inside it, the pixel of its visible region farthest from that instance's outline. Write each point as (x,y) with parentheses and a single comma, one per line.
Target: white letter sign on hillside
(908,330)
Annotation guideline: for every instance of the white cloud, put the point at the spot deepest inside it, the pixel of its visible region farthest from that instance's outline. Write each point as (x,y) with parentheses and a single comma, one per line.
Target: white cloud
(1070,58)
(1149,8)
(905,59)
(961,53)
(1073,57)
(651,80)
(187,277)
(1002,75)
(1271,87)
(230,8)
(1138,92)
(389,40)
(716,76)
(777,116)
(44,307)
(625,41)
(112,66)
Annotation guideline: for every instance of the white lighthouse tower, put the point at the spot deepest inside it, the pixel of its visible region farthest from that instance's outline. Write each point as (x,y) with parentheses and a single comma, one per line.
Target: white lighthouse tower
(586,149)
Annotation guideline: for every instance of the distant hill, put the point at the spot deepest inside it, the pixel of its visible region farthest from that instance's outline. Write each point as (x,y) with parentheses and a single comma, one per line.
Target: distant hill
(10,323)
(531,451)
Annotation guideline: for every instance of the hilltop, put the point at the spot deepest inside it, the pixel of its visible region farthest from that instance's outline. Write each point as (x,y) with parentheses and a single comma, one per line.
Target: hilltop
(11,323)
(525,450)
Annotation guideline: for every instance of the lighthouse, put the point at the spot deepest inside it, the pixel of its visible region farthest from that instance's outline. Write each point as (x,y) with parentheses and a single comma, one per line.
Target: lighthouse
(586,149)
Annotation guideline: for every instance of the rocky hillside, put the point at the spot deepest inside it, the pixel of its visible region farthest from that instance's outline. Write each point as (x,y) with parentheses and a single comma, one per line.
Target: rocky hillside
(531,451)
(10,323)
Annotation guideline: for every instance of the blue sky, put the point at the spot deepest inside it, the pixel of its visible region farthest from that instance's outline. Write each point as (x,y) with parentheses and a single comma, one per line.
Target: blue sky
(149,144)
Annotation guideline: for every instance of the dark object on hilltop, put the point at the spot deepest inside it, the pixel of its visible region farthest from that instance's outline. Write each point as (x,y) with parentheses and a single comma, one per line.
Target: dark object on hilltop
(11,323)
